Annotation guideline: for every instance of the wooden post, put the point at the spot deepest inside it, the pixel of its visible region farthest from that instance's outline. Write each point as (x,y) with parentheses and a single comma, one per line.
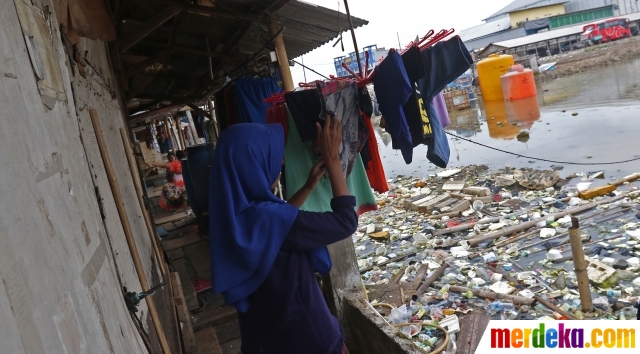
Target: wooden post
(180,133)
(135,175)
(353,36)
(124,219)
(580,265)
(283,61)
(170,132)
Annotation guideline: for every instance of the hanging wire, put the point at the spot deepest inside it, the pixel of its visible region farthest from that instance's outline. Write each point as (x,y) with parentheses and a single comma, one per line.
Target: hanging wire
(540,159)
(308,68)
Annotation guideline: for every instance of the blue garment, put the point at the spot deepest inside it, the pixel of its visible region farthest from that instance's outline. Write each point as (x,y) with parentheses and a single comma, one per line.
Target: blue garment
(288,314)
(393,89)
(248,223)
(444,62)
(251,93)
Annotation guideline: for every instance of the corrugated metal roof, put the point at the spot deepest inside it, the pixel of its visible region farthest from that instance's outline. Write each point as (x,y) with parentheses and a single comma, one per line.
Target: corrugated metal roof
(520,5)
(234,29)
(485,29)
(544,36)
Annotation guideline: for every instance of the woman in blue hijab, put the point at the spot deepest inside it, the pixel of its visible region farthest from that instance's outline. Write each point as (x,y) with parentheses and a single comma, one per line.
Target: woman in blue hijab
(265,251)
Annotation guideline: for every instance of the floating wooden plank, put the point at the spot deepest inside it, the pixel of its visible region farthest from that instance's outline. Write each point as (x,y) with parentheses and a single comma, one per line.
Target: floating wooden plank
(453,185)
(184,240)
(184,316)
(430,205)
(415,198)
(596,192)
(446,204)
(414,205)
(472,329)
(189,293)
(214,317)
(208,341)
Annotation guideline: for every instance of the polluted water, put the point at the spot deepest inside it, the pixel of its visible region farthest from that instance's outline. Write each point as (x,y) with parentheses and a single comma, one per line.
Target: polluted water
(490,234)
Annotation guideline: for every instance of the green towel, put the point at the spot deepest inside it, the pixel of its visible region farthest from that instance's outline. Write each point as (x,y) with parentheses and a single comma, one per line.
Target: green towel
(299,158)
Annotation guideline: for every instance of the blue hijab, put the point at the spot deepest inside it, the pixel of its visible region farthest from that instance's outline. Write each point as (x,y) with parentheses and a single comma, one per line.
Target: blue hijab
(247,222)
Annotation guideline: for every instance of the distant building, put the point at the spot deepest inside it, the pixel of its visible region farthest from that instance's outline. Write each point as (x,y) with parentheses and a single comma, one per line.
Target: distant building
(525,17)
(375,54)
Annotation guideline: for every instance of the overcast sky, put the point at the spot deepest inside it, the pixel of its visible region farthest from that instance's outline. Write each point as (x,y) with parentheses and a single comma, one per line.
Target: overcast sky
(407,18)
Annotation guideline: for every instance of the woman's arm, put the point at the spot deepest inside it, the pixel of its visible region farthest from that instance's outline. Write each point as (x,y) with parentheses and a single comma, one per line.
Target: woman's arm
(314,177)
(158,164)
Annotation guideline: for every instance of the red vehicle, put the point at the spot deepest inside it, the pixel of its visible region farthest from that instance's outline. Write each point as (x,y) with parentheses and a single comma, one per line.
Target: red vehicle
(607,30)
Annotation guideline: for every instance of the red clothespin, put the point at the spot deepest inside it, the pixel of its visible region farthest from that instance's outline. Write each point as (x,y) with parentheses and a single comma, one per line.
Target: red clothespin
(275,98)
(420,41)
(440,36)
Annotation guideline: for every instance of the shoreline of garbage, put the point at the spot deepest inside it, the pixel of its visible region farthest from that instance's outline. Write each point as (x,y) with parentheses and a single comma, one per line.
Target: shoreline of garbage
(470,241)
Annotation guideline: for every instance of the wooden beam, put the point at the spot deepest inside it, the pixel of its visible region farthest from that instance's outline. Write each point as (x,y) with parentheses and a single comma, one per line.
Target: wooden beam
(128,232)
(135,175)
(160,56)
(149,26)
(198,110)
(195,51)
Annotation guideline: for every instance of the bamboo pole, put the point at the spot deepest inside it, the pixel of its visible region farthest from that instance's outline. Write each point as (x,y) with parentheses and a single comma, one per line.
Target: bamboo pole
(521,300)
(353,36)
(630,178)
(124,219)
(537,297)
(135,175)
(525,225)
(283,60)
(180,133)
(427,283)
(580,266)
(170,132)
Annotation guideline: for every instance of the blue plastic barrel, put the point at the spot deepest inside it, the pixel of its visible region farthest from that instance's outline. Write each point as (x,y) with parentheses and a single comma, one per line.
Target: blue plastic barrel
(199,160)
(188,185)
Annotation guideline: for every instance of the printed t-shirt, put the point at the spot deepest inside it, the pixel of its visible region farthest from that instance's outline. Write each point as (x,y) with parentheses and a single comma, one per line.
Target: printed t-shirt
(444,62)
(393,89)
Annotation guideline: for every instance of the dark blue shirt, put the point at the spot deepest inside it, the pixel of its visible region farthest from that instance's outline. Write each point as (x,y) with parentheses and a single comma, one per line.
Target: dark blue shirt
(288,314)
(393,89)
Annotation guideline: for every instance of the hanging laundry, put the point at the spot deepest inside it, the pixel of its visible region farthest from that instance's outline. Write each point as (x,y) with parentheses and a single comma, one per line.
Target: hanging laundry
(339,97)
(440,109)
(415,111)
(444,62)
(372,162)
(393,89)
(251,93)
(278,114)
(298,160)
(305,108)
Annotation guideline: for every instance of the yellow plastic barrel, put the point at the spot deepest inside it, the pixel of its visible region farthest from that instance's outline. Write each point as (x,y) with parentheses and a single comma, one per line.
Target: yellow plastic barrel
(518,83)
(489,72)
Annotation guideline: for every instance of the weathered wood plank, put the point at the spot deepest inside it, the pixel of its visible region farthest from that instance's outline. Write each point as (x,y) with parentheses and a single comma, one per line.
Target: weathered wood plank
(231,347)
(172,218)
(188,336)
(471,330)
(228,331)
(190,296)
(199,255)
(208,341)
(214,317)
(184,240)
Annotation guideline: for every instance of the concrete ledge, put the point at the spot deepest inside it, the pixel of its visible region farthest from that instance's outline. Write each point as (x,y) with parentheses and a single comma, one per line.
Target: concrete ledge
(367,333)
